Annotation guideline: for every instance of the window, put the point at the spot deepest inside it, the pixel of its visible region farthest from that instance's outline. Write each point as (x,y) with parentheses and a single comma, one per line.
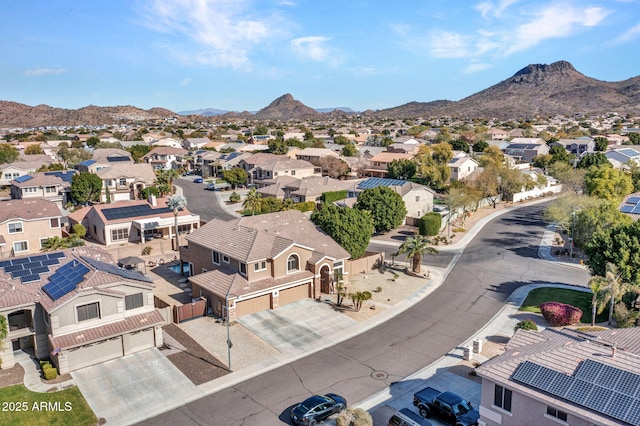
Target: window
(30,190)
(50,189)
(225,259)
(54,222)
(243,268)
(43,242)
(184,229)
(119,234)
(215,258)
(293,172)
(15,228)
(133,301)
(558,414)
(502,398)
(87,312)
(292,263)
(20,246)
(123,182)
(417,198)
(260,266)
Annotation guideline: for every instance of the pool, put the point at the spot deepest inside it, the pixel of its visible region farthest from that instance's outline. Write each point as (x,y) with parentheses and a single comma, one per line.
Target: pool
(176,268)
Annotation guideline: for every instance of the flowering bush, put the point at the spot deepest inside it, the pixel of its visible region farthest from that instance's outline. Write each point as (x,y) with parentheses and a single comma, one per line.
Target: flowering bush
(559,314)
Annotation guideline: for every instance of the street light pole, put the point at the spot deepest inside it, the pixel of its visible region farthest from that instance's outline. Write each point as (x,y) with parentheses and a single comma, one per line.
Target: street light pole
(573,228)
(229,344)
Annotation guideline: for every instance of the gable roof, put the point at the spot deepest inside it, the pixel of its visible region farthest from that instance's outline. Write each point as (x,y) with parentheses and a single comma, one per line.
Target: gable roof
(28,209)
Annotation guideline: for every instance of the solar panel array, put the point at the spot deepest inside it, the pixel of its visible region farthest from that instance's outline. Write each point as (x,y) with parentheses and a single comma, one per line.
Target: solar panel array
(64,175)
(65,279)
(87,163)
(631,206)
(112,269)
(375,182)
(28,269)
(118,158)
(599,387)
(133,211)
(24,178)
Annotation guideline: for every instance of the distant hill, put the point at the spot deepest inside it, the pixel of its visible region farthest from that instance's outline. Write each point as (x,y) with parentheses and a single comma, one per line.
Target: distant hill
(207,112)
(535,90)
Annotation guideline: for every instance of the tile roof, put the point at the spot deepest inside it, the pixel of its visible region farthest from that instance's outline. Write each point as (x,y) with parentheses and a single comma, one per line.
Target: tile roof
(154,212)
(41,179)
(104,331)
(28,209)
(223,282)
(141,171)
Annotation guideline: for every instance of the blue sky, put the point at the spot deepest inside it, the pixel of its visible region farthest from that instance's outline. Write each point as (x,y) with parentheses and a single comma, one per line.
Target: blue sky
(243,54)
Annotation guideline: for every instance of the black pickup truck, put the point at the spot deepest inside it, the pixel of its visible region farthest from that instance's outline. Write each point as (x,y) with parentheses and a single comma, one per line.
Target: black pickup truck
(447,406)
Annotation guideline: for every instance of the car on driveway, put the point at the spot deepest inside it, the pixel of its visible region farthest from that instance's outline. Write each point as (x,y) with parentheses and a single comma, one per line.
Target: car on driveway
(316,408)
(197,180)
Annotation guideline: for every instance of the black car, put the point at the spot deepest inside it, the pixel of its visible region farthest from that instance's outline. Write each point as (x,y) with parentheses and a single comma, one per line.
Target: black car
(317,408)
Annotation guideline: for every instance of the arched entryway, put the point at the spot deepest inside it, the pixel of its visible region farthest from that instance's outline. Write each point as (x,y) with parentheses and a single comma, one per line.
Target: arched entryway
(326,279)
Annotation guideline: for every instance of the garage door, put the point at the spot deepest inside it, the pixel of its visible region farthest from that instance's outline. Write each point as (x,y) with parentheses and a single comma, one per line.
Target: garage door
(251,306)
(138,341)
(93,354)
(294,294)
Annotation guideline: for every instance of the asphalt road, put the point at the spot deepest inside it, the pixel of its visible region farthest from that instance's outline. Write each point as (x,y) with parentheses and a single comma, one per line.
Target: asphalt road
(502,257)
(201,201)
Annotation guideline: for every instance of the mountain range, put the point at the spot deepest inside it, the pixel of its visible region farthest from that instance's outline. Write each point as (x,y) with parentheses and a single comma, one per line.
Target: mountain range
(536,90)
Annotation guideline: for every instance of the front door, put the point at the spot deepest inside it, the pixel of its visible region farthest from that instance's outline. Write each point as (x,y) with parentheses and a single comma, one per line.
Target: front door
(326,280)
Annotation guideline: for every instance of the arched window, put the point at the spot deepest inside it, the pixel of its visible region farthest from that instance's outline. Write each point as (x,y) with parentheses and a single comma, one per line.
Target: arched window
(292,263)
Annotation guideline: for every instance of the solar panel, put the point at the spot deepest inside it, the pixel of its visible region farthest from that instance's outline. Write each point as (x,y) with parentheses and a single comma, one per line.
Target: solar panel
(50,262)
(588,370)
(38,258)
(66,175)
(20,261)
(375,182)
(618,406)
(526,372)
(13,268)
(21,273)
(579,391)
(133,211)
(633,200)
(560,385)
(628,383)
(543,378)
(627,208)
(56,255)
(5,263)
(598,398)
(608,377)
(65,279)
(112,269)
(30,278)
(633,415)
(21,179)
(118,158)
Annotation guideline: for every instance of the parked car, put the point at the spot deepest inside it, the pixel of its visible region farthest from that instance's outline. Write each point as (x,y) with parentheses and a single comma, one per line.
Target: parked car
(406,417)
(317,408)
(197,180)
(448,406)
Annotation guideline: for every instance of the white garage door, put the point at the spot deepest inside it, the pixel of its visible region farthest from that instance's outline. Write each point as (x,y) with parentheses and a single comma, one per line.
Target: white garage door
(94,353)
(138,341)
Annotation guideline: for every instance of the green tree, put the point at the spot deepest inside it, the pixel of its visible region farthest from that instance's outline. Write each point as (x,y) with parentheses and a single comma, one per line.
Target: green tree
(358,298)
(619,245)
(385,205)
(593,159)
(403,169)
(176,203)
(432,165)
(571,180)
(93,141)
(278,147)
(542,161)
(349,150)
(600,295)
(415,247)
(79,229)
(8,153)
(138,151)
(253,201)
(601,144)
(480,146)
(634,138)
(559,153)
(430,224)
(341,140)
(460,145)
(607,183)
(235,176)
(33,150)
(53,243)
(351,228)
(86,187)
(617,288)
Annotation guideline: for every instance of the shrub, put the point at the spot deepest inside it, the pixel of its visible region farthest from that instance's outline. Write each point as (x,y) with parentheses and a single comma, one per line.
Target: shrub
(354,417)
(430,224)
(146,250)
(234,197)
(526,325)
(50,373)
(306,206)
(331,196)
(79,229)
(560,314)
(45,364)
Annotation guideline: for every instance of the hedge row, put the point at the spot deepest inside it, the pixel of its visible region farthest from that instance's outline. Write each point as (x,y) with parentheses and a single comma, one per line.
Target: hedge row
(48,370)
(560,314)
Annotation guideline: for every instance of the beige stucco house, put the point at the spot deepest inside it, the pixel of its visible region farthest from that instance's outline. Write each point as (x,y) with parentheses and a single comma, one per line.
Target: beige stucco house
(52,186)
(77,308)
(261,262)
(26,224)
(461,167)
(125,181)
(379,163)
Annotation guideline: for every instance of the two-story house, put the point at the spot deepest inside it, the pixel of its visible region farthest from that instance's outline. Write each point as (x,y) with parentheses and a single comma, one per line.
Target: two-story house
(263,167)
(261,262)
(623,158)
(26,224)
(577,146)
(52,186)
(165,157)
(125,181)
(461,167)
(77,308)
(105,157)
(524,152)
(313,155)
(379,163)
(133,221)
(563,376)
(26,165)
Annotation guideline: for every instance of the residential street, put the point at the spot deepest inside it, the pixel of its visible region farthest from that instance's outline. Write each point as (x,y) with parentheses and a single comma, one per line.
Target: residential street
(502,257)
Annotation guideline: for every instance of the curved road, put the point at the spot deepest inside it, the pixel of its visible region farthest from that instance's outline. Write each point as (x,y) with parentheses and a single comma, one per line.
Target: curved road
(202,201)
(502,257)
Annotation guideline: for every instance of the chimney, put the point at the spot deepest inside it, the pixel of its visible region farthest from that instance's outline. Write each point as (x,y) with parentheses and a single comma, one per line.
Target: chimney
(613,351)
(152,200)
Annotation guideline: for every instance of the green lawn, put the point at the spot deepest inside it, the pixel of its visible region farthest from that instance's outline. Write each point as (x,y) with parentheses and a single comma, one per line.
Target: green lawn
(20,406)
(579,299)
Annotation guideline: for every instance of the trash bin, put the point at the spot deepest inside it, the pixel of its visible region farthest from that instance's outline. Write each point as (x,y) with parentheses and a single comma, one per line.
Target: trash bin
(467,354)
(477,346)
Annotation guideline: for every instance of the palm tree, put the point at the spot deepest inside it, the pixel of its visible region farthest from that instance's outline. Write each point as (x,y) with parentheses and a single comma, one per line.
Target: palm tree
(415,247)
(53,243)
(176,203)
(600,295)
(358,298)
(253,201)
(617,288)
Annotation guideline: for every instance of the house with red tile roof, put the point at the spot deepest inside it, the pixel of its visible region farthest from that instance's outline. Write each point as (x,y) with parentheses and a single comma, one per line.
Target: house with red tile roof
(77,308)
(261,262)
(26,224)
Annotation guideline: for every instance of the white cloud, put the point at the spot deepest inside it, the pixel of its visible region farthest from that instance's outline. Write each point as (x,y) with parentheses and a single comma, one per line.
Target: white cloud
(474,68)
(629,35)
(314,48)
(184,82)
(44,71)
(219,32)
(496,9)
(449,45)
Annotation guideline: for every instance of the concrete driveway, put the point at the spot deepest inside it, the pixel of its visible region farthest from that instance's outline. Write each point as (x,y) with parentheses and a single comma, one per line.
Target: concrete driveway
(134,388)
